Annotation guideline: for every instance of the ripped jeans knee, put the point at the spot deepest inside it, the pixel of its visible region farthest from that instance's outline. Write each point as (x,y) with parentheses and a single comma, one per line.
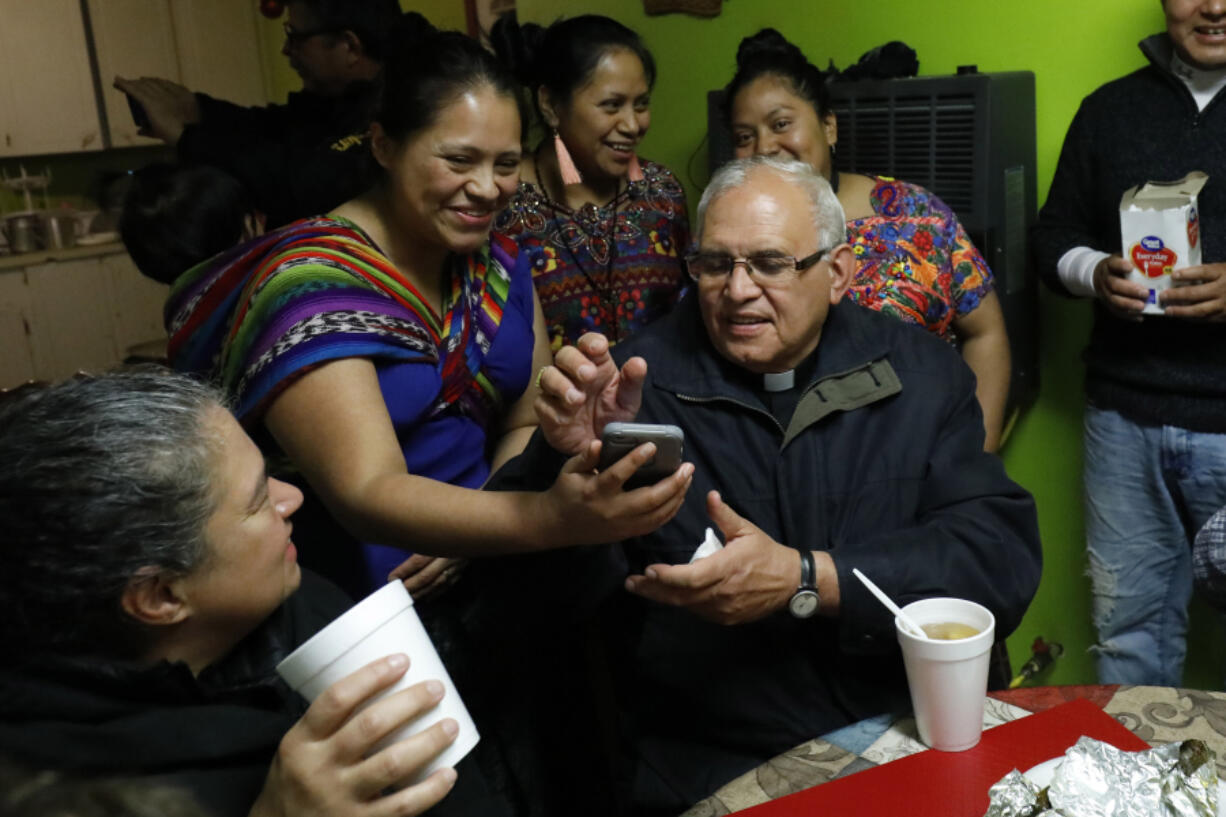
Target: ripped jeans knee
(1140,631)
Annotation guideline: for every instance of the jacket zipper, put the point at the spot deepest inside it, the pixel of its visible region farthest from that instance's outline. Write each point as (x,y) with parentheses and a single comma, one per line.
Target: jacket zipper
(689,398)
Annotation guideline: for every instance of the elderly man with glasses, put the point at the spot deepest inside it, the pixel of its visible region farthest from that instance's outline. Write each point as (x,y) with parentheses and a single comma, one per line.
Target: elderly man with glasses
(822,437)
(304,157)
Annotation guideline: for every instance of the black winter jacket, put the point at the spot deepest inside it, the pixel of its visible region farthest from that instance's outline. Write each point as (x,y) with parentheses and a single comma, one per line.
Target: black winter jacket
(212,734)
(1142,127)
(296,160)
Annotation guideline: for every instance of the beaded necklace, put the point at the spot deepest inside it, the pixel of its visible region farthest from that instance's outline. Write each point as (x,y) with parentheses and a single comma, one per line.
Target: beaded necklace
(605,290)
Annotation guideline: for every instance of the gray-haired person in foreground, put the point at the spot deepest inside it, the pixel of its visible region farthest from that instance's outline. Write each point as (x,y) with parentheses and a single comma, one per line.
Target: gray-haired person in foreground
(149,585)
(822,437)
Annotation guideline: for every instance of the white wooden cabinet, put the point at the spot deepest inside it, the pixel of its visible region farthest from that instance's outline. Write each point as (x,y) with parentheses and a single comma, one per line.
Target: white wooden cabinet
(83,314)
(205,45)
(132,38)
(47,99)
(219,49)
(17,362)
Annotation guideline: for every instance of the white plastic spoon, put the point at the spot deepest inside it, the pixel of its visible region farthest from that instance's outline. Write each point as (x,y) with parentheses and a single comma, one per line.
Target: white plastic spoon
(915,629)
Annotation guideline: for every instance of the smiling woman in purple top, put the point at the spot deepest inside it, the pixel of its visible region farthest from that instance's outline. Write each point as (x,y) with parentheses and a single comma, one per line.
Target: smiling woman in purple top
(388,348)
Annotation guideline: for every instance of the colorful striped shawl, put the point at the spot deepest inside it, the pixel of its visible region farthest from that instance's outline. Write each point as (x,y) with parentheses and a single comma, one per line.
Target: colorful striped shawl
(258,316)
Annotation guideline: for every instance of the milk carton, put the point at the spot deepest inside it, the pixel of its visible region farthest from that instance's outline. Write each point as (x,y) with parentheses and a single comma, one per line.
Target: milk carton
(1161,232)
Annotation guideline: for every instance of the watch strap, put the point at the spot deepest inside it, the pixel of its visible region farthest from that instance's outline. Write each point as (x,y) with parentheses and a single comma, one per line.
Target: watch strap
(808,571)
(805,600)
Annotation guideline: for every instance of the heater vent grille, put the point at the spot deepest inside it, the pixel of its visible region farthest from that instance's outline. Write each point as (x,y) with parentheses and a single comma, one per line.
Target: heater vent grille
(927,139)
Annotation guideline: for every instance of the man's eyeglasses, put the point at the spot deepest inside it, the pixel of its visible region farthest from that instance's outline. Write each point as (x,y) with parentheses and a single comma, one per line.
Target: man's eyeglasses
(762,267)
(296,38)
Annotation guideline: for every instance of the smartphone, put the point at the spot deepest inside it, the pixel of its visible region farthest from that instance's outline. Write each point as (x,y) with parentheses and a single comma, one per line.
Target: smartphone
(619,439)
(138,112)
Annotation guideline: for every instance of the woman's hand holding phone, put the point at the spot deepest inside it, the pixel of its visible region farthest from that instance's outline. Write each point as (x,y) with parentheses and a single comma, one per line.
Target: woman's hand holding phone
(586,507)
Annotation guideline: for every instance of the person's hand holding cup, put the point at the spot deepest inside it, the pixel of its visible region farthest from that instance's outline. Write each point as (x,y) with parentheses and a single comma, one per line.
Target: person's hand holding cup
(384,624)
(327,764)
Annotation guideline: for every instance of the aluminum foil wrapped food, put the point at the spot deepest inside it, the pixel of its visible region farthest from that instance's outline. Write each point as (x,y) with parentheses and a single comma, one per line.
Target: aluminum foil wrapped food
(1097,780)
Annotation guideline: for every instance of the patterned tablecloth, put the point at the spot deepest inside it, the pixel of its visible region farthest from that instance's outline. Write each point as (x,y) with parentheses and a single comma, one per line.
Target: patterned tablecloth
(1155,714)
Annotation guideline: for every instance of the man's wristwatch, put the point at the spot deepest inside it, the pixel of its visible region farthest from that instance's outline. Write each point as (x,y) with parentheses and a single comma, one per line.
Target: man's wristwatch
(805,600)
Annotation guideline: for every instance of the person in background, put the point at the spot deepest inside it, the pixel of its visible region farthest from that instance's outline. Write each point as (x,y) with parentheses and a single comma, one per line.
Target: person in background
(148,588)
(310,154)
(608,229)
(1155,431)
(175,216)
(913,259)
(824,437)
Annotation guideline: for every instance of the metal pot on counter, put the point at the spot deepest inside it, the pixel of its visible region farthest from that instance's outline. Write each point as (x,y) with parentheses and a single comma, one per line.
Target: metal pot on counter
(24,232)
(30,231)
(60,229)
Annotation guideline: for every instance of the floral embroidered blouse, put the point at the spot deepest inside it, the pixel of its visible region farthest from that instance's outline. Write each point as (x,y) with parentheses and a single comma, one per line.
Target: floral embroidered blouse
(914,261)
(610,269)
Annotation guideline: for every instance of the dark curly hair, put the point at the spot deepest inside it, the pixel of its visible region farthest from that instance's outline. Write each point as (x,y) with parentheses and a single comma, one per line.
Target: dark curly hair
(769,53)
(175,216)
(429,69)
(563,57)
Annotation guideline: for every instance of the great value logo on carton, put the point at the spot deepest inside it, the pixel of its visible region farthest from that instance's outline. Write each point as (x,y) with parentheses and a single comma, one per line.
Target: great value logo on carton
(1152,258)
(1161,232)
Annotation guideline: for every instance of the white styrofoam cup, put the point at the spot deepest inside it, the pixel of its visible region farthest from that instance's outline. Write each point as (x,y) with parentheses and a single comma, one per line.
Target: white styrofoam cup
(948,679)
(382,624)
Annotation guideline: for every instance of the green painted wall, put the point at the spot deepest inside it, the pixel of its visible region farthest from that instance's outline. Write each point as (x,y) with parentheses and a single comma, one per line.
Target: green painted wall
(1072,47)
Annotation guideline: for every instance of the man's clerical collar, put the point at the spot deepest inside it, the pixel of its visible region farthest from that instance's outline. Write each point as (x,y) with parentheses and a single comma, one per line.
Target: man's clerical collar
(779,381)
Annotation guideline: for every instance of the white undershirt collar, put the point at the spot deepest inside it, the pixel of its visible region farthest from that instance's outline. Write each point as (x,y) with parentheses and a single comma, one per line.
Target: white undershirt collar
(1203,84)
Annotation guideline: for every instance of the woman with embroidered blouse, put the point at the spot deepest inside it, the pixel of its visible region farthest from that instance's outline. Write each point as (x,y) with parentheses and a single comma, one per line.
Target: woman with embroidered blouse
(606,229)
(914,260)
(389,348)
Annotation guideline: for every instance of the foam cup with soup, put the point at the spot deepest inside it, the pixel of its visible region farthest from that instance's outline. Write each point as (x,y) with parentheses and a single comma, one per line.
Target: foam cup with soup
(947,672)
(949,630)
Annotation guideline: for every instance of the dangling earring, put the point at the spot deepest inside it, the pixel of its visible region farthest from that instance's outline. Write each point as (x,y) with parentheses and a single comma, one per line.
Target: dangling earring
(635,172)
(570,173)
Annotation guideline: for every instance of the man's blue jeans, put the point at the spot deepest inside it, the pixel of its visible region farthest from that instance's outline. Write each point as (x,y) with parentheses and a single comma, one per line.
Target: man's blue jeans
(1148,490)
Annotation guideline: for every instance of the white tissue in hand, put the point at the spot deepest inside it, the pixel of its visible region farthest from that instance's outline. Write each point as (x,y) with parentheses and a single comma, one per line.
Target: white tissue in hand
(710,544)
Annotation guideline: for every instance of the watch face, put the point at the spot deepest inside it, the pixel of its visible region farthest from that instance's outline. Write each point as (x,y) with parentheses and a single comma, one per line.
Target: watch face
(803,604)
